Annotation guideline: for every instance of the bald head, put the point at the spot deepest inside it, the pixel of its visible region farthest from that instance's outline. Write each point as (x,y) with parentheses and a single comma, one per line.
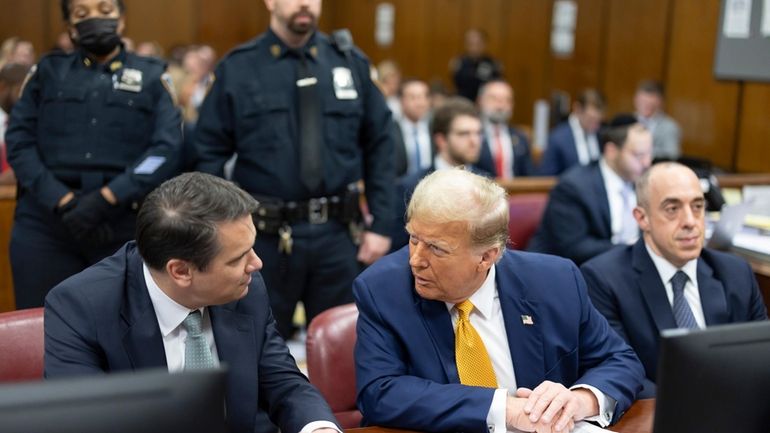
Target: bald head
(671,212)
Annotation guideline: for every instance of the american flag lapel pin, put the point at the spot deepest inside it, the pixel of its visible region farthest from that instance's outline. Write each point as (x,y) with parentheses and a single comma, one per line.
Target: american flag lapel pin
(527,320)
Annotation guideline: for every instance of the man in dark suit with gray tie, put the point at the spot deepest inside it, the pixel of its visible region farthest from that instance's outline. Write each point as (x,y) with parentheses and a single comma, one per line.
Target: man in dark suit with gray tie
(185,295)
(667,279)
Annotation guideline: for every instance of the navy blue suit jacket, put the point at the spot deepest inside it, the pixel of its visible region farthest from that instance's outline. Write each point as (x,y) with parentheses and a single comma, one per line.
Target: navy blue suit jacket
(576,222)
(626,288)
(102,320)
(561,154)
(522,160)
(406,374)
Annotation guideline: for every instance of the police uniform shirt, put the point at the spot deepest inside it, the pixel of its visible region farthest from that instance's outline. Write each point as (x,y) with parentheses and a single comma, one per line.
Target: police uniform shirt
(82,125)
(251,110)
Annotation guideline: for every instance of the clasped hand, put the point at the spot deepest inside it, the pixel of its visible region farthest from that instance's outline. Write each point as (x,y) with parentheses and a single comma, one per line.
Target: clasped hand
(549,408)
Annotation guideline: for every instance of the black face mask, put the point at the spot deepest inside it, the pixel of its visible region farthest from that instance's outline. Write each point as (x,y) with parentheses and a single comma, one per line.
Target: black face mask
(98,36)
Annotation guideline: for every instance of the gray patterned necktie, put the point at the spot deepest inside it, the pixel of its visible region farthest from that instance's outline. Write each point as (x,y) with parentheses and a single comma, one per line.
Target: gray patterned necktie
(682,311)
(197,354)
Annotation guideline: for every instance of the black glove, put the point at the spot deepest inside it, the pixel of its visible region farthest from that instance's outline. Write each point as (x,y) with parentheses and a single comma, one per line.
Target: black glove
(83,216)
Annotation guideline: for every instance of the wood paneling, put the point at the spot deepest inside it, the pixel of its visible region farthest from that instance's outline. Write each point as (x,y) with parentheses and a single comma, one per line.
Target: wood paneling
(617,43)
(167,22)
(527,27)
(582,69)
(705,108)
(754,137)
(634,49)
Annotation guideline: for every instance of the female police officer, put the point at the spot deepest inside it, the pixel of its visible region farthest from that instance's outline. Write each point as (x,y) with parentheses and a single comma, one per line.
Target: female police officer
(93,132)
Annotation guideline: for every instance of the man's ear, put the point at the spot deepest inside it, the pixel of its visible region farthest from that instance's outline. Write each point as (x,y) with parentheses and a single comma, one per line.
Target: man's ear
(488,258)
(640,215)
(180,271)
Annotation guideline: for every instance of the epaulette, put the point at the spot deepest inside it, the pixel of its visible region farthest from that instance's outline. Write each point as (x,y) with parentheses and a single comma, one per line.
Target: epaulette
(246,46)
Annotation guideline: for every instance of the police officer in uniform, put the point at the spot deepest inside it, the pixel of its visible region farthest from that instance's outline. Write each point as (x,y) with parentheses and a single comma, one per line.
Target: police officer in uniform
(93,132)
(300,110)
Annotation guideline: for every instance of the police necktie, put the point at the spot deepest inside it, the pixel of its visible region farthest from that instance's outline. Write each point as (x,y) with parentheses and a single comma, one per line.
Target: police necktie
(311,157)
(473,364)
(197,354)
(682,311)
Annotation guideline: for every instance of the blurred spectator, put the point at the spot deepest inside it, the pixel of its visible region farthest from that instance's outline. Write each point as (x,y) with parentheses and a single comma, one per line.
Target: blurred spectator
(389,80)
(413,143)
(17,50)
(576,141)
(505,149)
(149,49)
(437,94)
(475,67)
(666,134)
(198,64)
(11,77)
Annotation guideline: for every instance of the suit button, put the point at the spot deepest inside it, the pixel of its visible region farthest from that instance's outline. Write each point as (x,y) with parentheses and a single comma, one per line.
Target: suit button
(88,155)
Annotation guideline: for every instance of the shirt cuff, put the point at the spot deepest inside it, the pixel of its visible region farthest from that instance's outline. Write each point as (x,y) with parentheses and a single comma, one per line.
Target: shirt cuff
(606,405)
(315,425)
(496,414)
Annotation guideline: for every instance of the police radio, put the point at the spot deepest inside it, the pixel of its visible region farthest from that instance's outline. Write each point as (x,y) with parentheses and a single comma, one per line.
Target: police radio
(342,40)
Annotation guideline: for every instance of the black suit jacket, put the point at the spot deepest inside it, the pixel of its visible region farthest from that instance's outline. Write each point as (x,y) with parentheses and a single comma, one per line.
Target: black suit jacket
(624,285)
(102,320)
(576,223)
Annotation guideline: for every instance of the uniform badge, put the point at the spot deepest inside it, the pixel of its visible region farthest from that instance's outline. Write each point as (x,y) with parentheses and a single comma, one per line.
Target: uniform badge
(130,80)
(344,87)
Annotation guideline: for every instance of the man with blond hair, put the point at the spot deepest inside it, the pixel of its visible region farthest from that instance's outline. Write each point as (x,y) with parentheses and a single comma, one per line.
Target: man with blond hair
(457,334)
(667,279)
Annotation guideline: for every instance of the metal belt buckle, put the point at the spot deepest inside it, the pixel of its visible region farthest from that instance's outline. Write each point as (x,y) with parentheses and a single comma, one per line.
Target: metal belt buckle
(318,210)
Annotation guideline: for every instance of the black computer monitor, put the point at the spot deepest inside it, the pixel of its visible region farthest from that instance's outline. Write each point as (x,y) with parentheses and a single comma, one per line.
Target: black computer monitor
(714,380)
(138,402)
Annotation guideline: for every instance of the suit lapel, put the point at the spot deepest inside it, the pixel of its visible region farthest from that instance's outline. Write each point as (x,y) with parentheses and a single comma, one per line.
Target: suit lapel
(604,204)
(141,338)
(438,322)
(712,295)
(234,335)
(651,287)
(524,341)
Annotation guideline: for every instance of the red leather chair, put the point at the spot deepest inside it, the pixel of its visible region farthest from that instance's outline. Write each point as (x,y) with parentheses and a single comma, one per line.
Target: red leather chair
(21,345)
(526,210)
(330,366)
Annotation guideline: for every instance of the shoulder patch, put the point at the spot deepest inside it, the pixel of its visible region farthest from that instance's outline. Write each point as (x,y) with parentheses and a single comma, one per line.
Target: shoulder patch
(168,84)
(31,72)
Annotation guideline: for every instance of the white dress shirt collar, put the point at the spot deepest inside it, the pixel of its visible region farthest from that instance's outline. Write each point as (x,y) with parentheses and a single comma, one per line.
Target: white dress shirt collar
(483,299)
(666,270)
(170,313)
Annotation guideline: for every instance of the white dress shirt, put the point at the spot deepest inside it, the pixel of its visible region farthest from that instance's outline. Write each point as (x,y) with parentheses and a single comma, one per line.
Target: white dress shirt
(505,142)
(170,316)
(666,271)
(614,186)
(586,145)
(487,318)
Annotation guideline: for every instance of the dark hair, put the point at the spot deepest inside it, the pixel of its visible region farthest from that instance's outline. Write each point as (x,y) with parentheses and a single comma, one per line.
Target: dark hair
(591,97)
(651,86)
(617,130)
(178,220)
(448,111)
(65,8)
(407,81)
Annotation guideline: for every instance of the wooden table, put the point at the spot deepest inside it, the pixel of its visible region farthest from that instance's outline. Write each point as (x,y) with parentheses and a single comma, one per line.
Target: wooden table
(638,419)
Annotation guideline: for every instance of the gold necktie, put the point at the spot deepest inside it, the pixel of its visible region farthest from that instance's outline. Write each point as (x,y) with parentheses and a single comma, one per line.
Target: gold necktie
(473,363)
